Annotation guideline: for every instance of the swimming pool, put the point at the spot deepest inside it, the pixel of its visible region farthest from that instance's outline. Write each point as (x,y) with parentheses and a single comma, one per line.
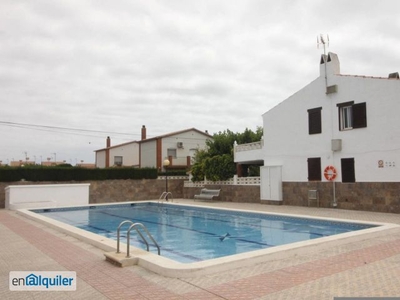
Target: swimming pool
(188,234)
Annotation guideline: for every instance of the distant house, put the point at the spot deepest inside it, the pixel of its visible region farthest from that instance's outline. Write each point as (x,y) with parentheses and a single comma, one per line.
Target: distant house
(179,147)
(86,165)
(50,163)
(337,139)
(19,163)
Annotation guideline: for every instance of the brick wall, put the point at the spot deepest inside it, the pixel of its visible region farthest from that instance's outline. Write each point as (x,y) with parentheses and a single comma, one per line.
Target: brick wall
(369,196)
(132,190)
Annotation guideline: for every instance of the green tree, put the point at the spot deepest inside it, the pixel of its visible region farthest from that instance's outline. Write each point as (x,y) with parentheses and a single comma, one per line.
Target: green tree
(219,167)
(216,162)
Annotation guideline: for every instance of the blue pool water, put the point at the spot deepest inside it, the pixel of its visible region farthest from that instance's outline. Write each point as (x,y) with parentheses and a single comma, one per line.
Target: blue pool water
(189,234)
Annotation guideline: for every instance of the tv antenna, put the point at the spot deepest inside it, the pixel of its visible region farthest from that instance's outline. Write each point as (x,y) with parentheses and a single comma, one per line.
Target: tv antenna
(324,41)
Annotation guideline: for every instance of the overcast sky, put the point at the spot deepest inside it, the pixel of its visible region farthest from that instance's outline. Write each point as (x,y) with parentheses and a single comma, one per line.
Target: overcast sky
(113,66)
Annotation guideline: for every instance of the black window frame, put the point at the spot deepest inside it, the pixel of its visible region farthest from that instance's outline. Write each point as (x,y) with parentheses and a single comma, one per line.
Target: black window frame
(358,115)
(314,169)
(314,120)
(348,170)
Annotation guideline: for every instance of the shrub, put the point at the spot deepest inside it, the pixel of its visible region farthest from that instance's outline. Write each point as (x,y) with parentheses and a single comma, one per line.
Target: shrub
(64,173)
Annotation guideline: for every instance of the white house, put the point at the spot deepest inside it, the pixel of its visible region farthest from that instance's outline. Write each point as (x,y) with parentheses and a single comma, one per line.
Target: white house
(126,154)
(178,147)
(339,136)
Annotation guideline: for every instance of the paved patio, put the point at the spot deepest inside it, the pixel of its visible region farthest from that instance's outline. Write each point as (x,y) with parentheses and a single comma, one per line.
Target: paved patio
(366,268)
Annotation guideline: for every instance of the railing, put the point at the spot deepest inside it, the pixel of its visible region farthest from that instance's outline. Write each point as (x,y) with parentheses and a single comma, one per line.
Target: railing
(119,230)
(135,226)
(179,161)
(233,181)
(249,146)
(166,196)
(172,177)
(248,181)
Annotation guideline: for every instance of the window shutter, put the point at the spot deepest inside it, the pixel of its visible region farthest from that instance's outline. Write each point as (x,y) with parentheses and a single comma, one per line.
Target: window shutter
(314,121)
(348,170)
(314,169)
(360,115)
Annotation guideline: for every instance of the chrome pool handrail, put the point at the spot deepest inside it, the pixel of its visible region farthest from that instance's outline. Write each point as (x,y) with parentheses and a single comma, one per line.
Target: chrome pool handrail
(165,196)
(134,226)
(118,232)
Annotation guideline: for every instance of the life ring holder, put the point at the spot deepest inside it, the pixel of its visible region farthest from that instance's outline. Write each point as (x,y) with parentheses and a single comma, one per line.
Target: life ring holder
(330,173)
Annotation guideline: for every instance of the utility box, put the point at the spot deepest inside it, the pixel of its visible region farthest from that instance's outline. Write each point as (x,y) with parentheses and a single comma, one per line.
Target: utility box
(336,145)
(313,197)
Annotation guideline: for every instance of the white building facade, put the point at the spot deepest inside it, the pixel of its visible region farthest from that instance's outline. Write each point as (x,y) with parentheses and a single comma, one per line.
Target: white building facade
(339,136)
(178,147)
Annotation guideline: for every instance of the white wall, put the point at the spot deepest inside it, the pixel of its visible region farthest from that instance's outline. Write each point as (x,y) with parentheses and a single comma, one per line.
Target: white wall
(129,152)
(149,154)
(288,143)
(101,159)
(191,140)
(54,195)
(248,153)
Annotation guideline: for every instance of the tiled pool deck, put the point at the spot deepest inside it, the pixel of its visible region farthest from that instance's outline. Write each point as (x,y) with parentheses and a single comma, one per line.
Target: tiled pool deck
(366,268)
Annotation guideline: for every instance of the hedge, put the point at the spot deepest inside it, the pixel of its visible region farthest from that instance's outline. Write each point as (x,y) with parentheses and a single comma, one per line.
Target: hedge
(28,173)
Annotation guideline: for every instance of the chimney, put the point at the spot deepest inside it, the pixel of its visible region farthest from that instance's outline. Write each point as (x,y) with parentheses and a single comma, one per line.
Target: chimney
(108,145)
(143,132)
(329,64)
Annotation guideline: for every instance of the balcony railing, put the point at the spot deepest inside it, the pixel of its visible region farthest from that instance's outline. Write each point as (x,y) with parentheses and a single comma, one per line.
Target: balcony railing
(233,181)
(178,161)
(249,146)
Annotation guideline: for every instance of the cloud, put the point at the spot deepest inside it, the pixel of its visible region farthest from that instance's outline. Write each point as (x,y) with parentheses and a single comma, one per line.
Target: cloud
(216,65)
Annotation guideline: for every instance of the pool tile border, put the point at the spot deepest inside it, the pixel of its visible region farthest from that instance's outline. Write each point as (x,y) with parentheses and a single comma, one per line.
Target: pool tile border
(169,268)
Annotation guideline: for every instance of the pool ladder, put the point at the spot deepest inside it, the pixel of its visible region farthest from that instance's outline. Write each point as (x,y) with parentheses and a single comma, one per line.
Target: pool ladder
(167,196)
(135,226)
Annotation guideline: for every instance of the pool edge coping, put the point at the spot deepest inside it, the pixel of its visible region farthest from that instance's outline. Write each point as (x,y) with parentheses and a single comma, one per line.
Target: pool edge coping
(170,268)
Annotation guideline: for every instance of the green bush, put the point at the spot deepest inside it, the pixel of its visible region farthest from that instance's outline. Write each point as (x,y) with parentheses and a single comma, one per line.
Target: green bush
(219,167)
(214,162)
(198,172)
(39,173)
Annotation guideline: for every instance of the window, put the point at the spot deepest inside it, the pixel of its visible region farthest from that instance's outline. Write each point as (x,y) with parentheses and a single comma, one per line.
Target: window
(314,169)
(352,115)
(118,160)
(348,170)
(346,117)
(314,120)
(171,152)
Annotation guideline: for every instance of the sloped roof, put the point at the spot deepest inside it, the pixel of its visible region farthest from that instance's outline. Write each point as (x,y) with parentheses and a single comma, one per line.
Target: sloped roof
(115,146)
(365,76)
(175,133)
(157,137)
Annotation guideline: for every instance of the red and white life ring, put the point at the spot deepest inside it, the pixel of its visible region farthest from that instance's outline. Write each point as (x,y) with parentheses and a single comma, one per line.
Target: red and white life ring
(330,173)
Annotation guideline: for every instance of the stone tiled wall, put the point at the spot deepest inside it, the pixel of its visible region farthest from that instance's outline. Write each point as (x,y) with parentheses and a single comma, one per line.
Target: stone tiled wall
(132,190)
(229,193)
(369,196)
